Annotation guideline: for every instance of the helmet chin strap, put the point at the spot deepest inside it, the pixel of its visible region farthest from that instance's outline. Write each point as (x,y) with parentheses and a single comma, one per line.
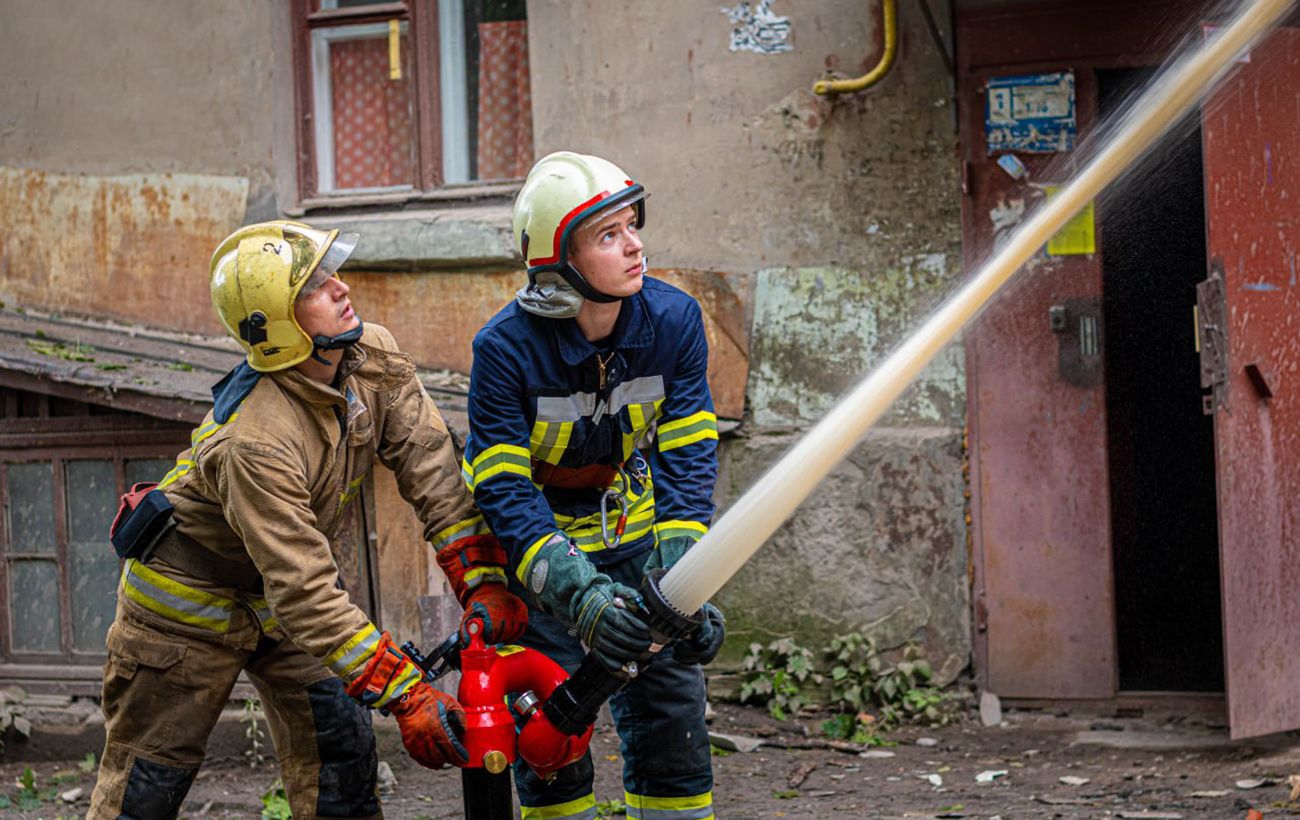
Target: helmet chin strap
(583,287)
(339,342)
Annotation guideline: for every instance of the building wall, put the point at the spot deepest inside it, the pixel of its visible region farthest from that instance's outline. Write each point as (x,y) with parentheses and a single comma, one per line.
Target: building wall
(837,221)
(815,232)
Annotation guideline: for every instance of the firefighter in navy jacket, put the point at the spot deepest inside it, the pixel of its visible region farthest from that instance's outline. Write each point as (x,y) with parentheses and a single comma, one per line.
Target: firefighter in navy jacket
(592,454)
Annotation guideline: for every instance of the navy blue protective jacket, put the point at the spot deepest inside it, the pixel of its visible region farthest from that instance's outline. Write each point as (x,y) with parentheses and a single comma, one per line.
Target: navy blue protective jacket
(557,425)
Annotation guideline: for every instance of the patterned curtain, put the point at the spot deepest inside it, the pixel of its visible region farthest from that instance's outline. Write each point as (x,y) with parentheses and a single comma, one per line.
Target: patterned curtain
(505,108)
(374,145)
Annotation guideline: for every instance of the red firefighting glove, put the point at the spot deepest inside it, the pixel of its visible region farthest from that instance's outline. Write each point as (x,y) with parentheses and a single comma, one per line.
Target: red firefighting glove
(503,614)
(475,568)
(431,723)
(428,719)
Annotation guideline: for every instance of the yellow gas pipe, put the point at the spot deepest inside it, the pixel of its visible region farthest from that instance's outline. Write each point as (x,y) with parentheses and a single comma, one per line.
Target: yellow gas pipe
(889,10)
(764,507)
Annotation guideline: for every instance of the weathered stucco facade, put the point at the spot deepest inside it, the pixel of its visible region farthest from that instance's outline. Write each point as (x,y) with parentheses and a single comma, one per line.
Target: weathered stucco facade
(816,231)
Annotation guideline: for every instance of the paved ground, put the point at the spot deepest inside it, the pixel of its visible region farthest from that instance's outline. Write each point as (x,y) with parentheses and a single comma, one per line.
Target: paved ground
(1133,767)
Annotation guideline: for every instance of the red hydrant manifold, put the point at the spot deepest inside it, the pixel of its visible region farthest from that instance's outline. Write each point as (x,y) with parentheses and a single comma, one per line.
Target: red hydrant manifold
(489,674)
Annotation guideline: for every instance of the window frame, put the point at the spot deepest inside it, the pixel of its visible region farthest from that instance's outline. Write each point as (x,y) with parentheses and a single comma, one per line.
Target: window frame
(64,440)
(424,38)
(422,18)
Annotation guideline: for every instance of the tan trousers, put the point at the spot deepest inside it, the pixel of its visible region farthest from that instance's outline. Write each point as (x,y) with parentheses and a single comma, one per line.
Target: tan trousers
(165,685)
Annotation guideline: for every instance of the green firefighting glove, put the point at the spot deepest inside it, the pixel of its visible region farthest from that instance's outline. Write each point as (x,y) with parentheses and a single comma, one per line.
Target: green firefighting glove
(563,583)
(702,645)
(667,552)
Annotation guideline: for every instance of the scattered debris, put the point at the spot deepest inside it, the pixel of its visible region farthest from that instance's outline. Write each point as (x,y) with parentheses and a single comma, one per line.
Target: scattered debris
(934,779)
(1064,801)
(926,741)
(1255,783)
(1151,815)
(799,775)
(989,775)
(876,754)
(1207,793)
(990,707)
(387,780)
(734,743)
(71,795)
(1074,780)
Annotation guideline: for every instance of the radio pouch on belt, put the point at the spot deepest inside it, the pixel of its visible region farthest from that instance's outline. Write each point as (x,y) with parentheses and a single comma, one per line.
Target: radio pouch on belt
(143,518)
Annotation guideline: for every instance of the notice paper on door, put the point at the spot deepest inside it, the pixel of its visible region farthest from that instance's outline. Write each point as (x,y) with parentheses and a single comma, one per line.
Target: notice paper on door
(1079,236)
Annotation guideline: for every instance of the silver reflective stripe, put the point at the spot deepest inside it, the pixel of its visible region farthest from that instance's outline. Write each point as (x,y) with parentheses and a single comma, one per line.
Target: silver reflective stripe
(565,408)
(162,596)
(703,813)
(641,390)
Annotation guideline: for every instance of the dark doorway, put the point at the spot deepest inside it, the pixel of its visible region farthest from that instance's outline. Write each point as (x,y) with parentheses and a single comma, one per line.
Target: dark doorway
(1161,445)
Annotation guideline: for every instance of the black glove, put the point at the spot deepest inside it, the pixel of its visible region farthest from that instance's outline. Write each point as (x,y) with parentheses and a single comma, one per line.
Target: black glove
(702,645)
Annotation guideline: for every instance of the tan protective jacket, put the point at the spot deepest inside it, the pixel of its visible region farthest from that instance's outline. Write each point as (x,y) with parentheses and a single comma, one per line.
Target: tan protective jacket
(269,487)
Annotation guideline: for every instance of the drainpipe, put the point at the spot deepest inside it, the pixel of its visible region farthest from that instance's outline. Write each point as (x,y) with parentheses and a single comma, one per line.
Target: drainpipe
(889,11)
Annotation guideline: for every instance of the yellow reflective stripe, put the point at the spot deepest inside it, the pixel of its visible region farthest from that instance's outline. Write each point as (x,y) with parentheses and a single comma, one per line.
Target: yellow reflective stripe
(480,575)
(521,572)
(549,440)
(174,600)
(207,430)
(501,458)
(593,541)
(264,615)
(681,432)
(644,807)
(354,487)
(399,684)
(676,529)
(356,651)
(474,525)
(182,467)
(584,808)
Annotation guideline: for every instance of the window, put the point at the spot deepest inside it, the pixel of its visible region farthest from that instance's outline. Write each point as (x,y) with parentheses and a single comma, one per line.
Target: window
(400,99)
(62,571)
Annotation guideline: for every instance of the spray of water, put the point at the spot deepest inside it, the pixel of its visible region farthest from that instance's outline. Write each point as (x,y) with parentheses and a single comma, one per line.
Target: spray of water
(773,499)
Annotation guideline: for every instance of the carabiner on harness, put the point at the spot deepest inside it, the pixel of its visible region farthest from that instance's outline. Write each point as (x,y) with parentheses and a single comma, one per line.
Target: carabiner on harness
(612,492)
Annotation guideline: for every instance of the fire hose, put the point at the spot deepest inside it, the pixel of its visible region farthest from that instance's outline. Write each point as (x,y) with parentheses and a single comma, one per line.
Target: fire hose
(557,718)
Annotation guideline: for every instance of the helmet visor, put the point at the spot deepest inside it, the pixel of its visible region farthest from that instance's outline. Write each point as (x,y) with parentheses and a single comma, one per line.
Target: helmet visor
(335,255)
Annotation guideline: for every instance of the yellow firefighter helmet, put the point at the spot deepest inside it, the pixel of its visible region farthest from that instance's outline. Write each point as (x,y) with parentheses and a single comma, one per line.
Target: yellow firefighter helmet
(257,274)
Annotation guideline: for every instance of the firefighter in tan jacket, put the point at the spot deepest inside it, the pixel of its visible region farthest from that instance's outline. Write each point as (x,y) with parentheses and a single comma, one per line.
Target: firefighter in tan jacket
(246,580)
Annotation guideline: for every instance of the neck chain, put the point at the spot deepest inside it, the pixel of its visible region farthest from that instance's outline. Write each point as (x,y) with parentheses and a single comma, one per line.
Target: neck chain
(601,364)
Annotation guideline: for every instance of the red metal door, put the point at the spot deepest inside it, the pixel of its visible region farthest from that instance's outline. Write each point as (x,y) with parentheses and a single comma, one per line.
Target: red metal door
(1252,185)
(1044,604)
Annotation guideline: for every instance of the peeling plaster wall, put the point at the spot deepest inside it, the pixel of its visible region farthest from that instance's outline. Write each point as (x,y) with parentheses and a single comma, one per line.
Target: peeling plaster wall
(838,220)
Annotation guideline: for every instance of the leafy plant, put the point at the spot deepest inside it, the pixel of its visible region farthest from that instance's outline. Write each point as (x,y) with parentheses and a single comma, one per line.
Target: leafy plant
(778,675)
(256,737)
(869,692)
(88,764)
(611,808)
(275,805)
(28,797)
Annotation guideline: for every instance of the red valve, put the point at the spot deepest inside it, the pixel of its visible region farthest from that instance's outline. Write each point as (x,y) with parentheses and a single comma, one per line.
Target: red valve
(488,675)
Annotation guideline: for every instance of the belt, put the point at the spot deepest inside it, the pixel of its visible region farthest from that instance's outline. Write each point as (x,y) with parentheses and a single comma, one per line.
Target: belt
(189,556)
(590,476)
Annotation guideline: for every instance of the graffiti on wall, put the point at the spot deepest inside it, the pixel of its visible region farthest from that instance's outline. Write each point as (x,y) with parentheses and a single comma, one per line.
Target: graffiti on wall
(756,28)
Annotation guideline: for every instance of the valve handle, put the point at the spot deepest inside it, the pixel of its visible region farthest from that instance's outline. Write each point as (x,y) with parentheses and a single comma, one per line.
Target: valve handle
(441,661)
